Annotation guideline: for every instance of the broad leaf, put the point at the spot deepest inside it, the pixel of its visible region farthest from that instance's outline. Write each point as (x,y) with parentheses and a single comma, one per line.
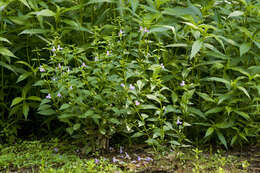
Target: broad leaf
(244,48)
(195,48)
(16,101)
(6,52)
(235,14)
(209,132)
(25,110)
(222,138)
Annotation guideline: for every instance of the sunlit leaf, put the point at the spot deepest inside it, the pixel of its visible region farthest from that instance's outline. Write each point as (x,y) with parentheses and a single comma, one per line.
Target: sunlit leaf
(244,48)
(197,45)
(235,14)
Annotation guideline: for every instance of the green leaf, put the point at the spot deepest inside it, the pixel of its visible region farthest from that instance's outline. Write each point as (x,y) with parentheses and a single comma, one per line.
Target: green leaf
(222,138)
(6,52)
(224,125)
(214,110)
(134,5)
(16,101)
(45,12)
(174,97)
(25,3)
(209,132)
(34,31)
(152,97)
(25,110)
(147,107)
(197,112)
(244,48)
(66,116)
(235,14)
(5,40)
(64,106)
(177,45)
(34,98)
(205,96)
(87,114)
(196,46)
(243,114)
(162,28)
(70,130)
(257,44)
(23,76)
(244,91)
(217,79)
(39,83)
(170,108)
(233,140)
(47,112)
(137,134)
(7,66)
(76,126)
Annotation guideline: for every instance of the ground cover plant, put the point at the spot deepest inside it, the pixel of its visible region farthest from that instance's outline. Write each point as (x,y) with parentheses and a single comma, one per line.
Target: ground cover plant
(56,156)
(166,73)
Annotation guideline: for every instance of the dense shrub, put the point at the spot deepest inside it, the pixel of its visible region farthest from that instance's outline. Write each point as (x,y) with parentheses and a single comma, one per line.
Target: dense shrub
(163,72)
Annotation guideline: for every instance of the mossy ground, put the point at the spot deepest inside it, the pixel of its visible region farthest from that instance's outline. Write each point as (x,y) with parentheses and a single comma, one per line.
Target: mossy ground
(53,156)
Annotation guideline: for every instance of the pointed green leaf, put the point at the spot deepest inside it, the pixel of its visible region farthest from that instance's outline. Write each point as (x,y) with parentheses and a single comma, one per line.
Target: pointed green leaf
(23,76)
(197,112)
(34,31)
(34,98)
(45,12)
(5,40)
(217,79)
(209,132)
(64,106)
(244,91)
(152,97)
(6,52)
(147,107)
(76,126)
(222,138)
(25,110)
(235,14)
(137,134)
(243,114)
(233,140)
(214,110)
(25,3)
(244,48)
(16,101)
(205,96)
(197,45)
(7,66)
(47,112)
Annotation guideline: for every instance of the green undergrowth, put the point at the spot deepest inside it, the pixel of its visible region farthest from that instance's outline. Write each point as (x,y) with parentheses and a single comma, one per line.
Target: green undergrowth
(54,156)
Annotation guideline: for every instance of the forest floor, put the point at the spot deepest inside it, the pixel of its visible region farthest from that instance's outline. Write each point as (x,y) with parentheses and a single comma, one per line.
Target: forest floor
(53,156)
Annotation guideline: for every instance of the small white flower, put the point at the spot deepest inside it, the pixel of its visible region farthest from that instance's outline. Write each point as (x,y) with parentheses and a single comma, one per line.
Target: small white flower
(120,33)
(59,48)
(182,83)
(48,96)
(131,87)
(162,66)
(41,69)
(53,49)
(83,65)
(137,103)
